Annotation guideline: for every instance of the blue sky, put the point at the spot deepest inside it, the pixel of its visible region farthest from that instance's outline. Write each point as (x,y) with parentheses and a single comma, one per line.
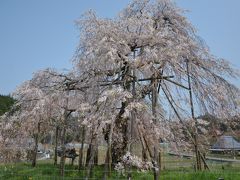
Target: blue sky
(36,34)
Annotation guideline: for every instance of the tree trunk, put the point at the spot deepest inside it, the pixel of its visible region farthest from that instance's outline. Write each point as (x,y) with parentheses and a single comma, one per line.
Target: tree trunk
(80,160)
(62,160)
(144,154)
(119,147)
(91,155)
(88,157)
(160,161)
(108,158)
(34,160)
(72,163)
(107,169)
(120,138)
(56,145)
(96,156)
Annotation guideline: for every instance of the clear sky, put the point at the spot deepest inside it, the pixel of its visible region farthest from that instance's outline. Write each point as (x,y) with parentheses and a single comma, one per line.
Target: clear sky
(36,34)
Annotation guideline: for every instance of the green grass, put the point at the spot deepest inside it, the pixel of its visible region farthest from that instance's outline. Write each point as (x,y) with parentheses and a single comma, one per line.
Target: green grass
(205,175)
(24,171)
(45,171)
(174,168)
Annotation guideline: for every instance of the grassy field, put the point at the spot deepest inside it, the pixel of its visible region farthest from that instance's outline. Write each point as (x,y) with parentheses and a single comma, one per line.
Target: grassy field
(44,171)
(174,168)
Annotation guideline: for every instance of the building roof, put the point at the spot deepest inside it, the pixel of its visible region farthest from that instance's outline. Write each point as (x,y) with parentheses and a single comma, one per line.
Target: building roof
(226,143)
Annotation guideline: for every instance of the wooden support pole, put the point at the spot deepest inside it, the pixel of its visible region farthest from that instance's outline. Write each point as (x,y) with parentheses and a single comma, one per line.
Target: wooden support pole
(144,148)
(36,138)
(96,154)
(154,113)
(110,151)
(56,145)
(196,146)
(62,159)
(92,153)
(108,158)
(118,82)
(151,154)
(176,83)
(66,114)
(80,160)
(181,121)
(132,119)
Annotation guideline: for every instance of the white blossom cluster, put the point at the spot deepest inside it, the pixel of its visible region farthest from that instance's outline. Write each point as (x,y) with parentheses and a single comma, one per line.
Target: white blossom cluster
(134,161)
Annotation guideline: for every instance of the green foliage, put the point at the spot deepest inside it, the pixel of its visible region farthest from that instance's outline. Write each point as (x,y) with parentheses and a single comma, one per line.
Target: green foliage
(24,171)
(6,103)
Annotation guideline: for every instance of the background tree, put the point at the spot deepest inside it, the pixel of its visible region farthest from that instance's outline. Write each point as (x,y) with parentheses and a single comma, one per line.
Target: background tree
(6,102)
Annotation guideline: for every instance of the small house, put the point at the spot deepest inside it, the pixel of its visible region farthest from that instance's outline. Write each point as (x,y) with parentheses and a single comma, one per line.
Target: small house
(225,144)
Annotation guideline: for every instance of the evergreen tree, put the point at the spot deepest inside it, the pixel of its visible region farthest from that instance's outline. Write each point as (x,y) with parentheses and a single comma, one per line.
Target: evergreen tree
(6,103)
